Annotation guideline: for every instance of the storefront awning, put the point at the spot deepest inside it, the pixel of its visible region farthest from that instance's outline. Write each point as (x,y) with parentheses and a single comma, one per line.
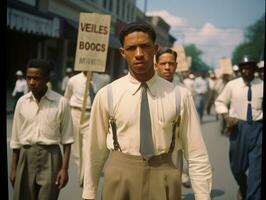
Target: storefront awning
(30,23)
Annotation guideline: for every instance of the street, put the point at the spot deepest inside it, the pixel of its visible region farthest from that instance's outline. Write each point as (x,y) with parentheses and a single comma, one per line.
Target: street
(224,186)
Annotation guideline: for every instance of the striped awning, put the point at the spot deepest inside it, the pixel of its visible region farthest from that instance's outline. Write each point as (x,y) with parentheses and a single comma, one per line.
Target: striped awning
(30,23)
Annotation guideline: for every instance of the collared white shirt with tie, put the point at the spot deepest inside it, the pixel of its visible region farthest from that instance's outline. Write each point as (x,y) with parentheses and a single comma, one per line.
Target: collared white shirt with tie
(235,94)
(126,107)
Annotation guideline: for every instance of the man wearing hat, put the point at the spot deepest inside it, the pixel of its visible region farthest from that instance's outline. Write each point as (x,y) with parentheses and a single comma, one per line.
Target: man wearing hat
(261,69)
(21,87)
(241,103)
(69,73)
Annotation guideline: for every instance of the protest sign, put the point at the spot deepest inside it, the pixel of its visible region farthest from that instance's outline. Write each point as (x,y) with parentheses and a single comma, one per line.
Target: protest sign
(92,42)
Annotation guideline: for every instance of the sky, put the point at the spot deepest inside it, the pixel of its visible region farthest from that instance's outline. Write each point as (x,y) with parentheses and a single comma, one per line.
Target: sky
(215,26)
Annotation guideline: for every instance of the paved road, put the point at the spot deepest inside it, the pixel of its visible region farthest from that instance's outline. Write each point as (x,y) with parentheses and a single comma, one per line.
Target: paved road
(224,186)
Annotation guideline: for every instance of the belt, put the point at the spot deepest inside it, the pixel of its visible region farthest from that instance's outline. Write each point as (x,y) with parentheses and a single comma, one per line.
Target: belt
(27,146)
(157,158)
(80,109)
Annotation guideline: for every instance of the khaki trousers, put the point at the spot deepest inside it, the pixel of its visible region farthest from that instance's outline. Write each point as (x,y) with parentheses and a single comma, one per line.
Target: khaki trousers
(129,177)
(37,169)
(77,148)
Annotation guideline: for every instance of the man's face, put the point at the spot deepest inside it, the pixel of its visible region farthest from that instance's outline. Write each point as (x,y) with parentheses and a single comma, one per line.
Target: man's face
(36,81)
(138,51)
(247,72)
(166,66)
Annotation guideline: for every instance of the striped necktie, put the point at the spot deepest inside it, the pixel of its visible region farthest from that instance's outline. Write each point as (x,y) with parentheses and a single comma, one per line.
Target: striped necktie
(146,143)
(249,110)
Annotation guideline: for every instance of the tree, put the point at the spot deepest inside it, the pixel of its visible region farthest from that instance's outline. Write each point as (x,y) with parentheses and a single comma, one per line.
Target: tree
(197,64)
(253,44)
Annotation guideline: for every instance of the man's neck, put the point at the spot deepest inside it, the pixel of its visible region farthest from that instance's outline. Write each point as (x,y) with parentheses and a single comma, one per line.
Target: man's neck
(143,77)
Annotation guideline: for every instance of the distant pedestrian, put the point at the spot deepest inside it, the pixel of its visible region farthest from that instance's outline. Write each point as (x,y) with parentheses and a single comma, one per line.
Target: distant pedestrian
(241,103)
(75,94)
(189,83)
(210,101)
(69,73)
(218,88)
(41,122)
(20,88)
(201,88)
(261,69)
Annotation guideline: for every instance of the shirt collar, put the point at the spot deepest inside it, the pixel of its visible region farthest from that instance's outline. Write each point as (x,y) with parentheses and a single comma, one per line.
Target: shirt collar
(48,95)
(255,80)
(136,85)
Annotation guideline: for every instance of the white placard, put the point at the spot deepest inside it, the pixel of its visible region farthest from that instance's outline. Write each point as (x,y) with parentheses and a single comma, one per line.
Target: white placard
(92,43)
(225,66)
(182,62)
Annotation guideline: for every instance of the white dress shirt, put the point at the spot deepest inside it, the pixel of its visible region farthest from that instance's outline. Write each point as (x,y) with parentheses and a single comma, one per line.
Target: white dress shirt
(235,95)
(126,107)
(75,90)
(21,86)
(47,122)
(201,85)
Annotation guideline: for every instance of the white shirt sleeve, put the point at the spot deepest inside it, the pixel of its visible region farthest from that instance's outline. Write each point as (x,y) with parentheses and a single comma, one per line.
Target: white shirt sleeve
(195,150)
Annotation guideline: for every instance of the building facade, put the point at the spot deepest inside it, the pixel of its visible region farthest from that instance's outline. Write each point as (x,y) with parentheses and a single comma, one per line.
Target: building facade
(48,29)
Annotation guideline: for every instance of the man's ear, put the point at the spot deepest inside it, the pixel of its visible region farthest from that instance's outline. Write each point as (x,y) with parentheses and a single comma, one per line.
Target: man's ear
(156,47)
(155,66)
(122,52)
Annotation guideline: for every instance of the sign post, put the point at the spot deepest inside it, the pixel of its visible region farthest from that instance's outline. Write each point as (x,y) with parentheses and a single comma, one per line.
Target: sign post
(92,47)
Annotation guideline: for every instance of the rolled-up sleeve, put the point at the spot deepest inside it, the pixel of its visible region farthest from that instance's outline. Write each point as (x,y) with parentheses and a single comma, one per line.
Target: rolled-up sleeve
(96,150)
(195,150)
(223,100)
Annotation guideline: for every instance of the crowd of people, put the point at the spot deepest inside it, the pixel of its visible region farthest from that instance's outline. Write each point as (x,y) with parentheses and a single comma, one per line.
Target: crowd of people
(146,123)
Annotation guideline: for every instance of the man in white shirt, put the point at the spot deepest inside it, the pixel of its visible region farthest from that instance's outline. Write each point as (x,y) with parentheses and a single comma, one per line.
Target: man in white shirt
(132,172)
(66,78)
(201,88)
(20,88)
(75,94)
(241,103)
(41,122)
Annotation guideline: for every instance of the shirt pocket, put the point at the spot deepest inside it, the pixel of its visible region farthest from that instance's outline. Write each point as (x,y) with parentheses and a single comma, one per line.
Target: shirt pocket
(50,127)
(164,134)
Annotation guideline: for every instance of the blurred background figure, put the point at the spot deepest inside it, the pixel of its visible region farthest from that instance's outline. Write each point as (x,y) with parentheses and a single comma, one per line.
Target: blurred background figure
(210,102)
(75,94)
(218,88)
(99,79)
(69,73)
(188,82)
(236,71)
(261,69)
(20,88)
(201,88)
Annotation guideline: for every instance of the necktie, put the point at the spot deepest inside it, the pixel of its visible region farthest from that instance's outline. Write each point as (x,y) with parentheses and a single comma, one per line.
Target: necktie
(91,92)
(146,144)
(249,111)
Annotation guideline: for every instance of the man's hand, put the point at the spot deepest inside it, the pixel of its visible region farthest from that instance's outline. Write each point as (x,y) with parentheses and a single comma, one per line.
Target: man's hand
(230,124)
(62,178)
(12,177)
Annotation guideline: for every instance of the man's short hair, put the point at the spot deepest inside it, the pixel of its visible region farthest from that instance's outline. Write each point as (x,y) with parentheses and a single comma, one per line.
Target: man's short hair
(163,51)
(137,26)
(44,65)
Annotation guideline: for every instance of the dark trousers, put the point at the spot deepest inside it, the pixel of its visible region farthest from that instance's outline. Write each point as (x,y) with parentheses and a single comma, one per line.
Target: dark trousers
(245,158)
(129,177)
(200,102)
